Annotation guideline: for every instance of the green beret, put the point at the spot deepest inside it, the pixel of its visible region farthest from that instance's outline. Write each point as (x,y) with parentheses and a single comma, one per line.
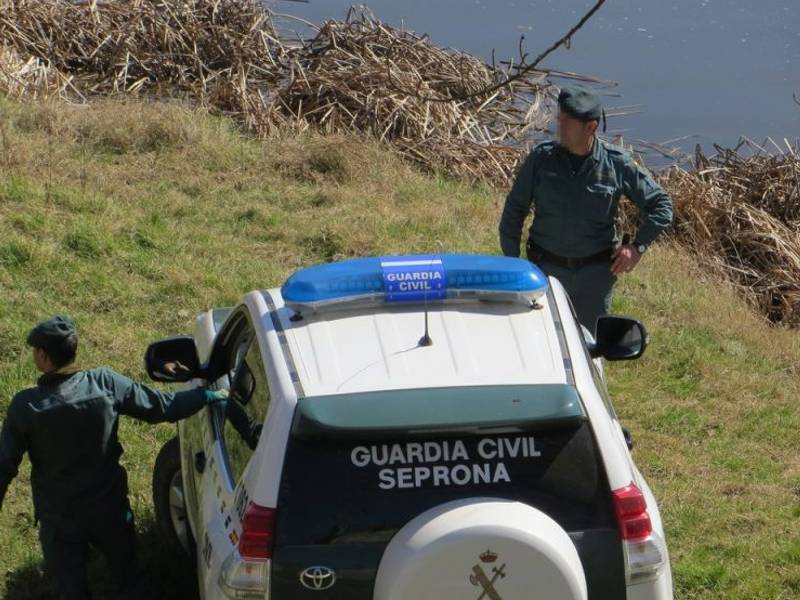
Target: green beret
(51,330)
(580,102)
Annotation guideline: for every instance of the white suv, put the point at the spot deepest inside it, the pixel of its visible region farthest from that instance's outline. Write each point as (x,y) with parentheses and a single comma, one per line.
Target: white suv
(408,428)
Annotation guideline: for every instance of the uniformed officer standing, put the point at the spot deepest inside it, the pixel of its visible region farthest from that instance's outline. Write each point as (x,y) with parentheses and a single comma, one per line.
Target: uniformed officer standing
(68,425)
(574,186)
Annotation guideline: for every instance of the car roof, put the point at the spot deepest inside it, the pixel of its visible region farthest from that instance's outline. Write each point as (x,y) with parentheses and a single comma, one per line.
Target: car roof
(373,349)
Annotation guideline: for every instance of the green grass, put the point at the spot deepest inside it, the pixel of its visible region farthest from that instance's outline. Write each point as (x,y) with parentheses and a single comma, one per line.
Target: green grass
(135,217)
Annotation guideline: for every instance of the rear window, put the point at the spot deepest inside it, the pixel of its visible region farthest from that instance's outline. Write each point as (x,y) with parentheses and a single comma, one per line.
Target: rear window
(344,485)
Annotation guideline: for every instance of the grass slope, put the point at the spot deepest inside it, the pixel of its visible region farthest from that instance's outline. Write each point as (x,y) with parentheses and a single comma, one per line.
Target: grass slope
(134,217)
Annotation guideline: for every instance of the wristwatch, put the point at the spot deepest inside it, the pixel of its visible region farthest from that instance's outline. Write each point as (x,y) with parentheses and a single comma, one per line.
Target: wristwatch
(640,248)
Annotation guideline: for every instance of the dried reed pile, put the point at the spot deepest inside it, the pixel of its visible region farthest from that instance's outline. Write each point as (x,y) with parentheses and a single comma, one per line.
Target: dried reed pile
(206,49)
(30,78)
(363,76)
(741,215)
(355,76)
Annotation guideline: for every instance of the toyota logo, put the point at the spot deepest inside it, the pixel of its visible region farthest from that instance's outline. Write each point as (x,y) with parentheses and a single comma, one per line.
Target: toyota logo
(318,578)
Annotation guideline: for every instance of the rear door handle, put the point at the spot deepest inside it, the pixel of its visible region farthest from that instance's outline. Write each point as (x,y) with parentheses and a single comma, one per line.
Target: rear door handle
(200,461)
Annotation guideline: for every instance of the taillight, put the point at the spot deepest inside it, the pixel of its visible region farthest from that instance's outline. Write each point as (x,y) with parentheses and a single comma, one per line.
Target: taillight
(245,574)
(631,509)
(258,528)
(645,551)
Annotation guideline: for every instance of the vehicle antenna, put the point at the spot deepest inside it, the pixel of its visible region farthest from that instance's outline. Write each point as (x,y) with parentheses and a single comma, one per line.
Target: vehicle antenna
(426,340)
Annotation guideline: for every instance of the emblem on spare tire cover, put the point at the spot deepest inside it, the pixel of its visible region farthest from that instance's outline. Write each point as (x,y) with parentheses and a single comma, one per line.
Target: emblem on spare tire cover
(318,578)
(480,578)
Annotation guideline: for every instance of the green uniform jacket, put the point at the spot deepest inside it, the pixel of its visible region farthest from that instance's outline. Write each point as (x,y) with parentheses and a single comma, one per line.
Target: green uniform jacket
(574,211)
(68,425)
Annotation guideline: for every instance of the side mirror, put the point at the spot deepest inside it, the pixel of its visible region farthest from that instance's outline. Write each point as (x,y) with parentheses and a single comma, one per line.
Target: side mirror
(628,438)
(618,338)
(173,360)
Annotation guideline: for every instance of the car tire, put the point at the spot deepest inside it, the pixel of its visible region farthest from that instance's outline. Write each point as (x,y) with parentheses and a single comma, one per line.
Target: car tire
(172,524)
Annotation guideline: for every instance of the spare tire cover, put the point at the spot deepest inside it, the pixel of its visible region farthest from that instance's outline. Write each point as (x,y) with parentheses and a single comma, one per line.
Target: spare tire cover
(481,548)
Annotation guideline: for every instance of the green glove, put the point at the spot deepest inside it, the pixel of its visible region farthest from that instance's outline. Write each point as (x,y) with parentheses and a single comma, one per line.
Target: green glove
(214,396)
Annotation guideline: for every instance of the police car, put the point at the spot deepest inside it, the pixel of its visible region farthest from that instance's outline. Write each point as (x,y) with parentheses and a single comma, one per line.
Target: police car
(408,427)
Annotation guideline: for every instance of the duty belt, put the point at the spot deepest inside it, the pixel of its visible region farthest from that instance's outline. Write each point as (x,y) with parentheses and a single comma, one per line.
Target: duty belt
(538,254)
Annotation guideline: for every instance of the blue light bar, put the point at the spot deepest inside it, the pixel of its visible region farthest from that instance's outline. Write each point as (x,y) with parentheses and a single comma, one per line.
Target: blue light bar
(419,278)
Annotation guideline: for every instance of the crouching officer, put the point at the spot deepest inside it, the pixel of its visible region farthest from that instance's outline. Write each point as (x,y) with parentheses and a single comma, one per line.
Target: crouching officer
(68,425)
(574,186)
